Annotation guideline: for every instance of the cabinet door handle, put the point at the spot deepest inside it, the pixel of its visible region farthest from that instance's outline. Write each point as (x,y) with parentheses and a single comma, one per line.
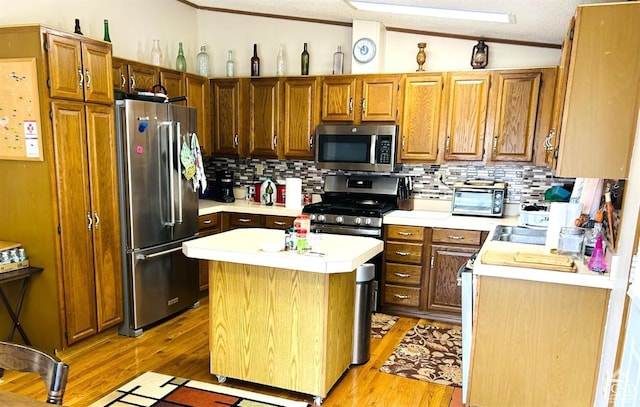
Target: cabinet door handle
(123,80)
(133,82)
(90,220)
(547,140)
(404,139)
(455,237)
(399,253)
(88,76)
(97,218)
(401,233)
(279,223)
(446,147)
(402,275)
(235,140)
(244,220)
(433,259)
(350,105)
(311,141)
(207,222)
(274,142)
(363,104)
(495,145)
(80,77)
(401,297)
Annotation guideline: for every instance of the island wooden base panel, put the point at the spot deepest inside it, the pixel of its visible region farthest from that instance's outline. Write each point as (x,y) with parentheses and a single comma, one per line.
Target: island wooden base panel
(180,347)
(281,327)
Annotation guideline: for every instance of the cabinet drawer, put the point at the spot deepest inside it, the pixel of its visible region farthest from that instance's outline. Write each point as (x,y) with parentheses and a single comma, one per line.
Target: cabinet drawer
(404,252)
(401,295)
(470,237)
(210,221)
(403,274)
(413,233)
(278,222)
(245,220)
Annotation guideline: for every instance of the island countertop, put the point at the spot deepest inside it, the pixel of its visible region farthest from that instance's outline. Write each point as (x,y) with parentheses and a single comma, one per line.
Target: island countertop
(342,254)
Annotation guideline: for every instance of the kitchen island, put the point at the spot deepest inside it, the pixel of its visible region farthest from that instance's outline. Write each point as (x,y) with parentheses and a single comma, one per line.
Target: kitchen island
(280,318)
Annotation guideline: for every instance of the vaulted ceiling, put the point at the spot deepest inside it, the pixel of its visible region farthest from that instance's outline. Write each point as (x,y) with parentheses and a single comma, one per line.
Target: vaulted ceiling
(536,21)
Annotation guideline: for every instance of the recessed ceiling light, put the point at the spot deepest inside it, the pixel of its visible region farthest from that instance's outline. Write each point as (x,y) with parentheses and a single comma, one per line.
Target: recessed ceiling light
(433,12)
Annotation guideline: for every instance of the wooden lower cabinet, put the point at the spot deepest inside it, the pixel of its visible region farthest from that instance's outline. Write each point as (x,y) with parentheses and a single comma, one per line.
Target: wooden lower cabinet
(421,267)
(251,220)
(208,225)
(535,343)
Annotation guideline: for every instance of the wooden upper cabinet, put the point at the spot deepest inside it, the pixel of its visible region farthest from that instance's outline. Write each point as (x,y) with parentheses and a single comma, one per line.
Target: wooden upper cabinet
(467,102)
(197,92)
(174,83)
(550,143)
(421,117)
(227,124)
(79,70)
(141,77)
(264,117)
(338,98)
(515,112)
(379,98)
(300,117)
(356,99)
(599,117)
(119,74)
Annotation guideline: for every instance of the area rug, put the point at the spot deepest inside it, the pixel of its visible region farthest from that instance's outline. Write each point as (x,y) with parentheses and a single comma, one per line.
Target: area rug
(428,353)
(158,390)
(381,324)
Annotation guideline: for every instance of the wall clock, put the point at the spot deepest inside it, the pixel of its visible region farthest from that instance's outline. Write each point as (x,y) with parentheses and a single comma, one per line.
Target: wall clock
(364,50)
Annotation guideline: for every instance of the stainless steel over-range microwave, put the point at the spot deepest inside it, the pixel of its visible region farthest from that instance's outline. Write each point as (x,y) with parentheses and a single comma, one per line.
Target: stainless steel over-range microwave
(356,148)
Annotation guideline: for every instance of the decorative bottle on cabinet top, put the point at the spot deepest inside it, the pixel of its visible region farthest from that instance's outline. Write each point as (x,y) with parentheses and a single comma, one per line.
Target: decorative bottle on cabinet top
(338,61)
(280,63)
(107,37)
(230,64)
(156,53)
(77,29)
(255,62)
(304,61)
(181,62)
(203,61)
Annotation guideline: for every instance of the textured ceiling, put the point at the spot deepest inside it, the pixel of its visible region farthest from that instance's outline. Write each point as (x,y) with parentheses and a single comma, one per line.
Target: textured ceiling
(539,21)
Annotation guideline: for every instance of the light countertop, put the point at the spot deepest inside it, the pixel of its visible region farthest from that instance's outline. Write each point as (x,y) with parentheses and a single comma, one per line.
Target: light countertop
(582,277)
(207,207)
(343,254)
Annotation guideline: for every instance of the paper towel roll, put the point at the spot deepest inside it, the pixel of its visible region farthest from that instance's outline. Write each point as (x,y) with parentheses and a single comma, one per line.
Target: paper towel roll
(557,219)
(294,193)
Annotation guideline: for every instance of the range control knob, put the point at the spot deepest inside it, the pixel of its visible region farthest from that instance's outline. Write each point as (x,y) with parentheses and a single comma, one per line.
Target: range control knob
(357,221)
(321,218)
(339,219)
(312,217)
(367,221)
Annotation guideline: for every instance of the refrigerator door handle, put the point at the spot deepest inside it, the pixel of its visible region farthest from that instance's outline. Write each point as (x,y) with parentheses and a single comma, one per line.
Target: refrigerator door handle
(168,172)
(179,175)
(158,254)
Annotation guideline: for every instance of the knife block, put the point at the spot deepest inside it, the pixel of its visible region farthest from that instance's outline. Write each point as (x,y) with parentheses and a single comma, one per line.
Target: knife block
(405,204)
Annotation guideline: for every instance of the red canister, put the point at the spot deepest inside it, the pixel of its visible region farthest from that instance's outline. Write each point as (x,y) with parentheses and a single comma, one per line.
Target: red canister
(280,193)
(256,197)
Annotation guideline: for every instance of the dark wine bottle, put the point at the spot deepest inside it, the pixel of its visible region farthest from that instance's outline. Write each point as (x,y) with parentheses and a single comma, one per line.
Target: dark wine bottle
(255,62)
(77,29)
(304,61)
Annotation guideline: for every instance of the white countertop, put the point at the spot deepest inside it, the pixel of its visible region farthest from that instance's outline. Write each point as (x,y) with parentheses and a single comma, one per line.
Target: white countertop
(207,207)
(582,277)
(445,220)
(343,254)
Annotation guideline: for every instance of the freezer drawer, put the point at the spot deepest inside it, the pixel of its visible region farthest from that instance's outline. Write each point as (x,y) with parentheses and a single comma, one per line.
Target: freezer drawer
(163,281)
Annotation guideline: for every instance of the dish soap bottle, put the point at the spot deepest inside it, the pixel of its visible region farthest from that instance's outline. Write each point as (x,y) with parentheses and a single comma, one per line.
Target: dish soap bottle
(268,189)
(181,62)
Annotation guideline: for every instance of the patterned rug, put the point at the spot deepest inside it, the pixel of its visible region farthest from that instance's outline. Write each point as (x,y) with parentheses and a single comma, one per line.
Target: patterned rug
(158,390)
(428,353)
(381,324)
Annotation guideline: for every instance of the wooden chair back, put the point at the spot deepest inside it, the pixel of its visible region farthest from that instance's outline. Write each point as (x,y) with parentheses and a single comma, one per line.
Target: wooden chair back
(23,358)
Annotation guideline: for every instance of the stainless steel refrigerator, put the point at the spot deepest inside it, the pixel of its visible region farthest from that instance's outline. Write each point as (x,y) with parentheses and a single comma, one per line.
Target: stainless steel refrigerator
(159,211)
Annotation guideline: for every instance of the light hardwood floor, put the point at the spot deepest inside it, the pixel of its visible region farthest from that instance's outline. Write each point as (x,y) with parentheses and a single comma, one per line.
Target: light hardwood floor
(179,347)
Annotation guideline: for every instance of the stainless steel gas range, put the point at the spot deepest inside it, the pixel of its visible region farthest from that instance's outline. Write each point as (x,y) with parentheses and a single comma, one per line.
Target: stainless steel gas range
(355,205)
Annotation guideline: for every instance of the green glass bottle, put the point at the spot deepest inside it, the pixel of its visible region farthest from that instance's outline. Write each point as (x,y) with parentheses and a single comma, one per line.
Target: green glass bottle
(304,61)
(181,62)
(107,38)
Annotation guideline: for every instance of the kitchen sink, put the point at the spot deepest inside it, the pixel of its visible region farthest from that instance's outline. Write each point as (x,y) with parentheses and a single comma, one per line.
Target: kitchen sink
(520,234)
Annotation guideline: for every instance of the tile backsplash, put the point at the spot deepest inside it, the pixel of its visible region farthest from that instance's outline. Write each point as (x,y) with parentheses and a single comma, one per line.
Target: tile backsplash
(525,184)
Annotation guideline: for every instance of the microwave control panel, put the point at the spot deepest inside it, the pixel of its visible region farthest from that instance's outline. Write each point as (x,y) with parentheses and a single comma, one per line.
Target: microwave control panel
(384,150)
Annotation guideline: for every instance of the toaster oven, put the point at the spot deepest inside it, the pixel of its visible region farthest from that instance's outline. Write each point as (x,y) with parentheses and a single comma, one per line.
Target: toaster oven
(479,198)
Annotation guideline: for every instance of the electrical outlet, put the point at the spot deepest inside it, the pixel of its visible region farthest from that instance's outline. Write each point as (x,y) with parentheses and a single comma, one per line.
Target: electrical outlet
(259,169)
(442,175)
